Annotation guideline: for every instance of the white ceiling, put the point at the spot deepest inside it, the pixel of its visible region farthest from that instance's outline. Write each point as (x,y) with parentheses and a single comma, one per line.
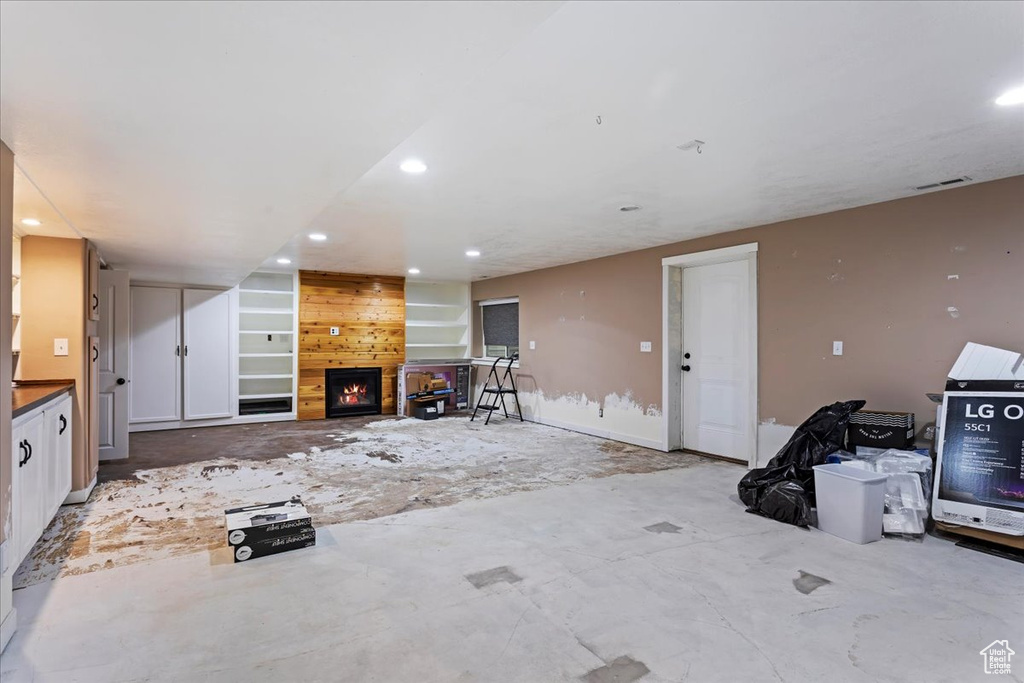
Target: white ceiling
(195,141)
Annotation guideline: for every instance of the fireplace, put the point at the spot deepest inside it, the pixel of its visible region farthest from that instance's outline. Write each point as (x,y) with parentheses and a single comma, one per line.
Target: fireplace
(352,391)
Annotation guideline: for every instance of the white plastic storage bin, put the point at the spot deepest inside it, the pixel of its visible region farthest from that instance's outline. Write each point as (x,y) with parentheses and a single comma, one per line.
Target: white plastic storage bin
(850,502)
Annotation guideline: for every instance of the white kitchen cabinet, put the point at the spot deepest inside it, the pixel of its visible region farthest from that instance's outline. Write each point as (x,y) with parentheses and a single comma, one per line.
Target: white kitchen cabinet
(208,355)
(58,430)
(184,354)
(41,469)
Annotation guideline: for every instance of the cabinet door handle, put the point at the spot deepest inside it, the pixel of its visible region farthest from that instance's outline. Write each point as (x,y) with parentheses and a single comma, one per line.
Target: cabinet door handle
(28,456)
(63,424)
(95,354)
(177,350)
(186,349)
(95,302)
(21,446)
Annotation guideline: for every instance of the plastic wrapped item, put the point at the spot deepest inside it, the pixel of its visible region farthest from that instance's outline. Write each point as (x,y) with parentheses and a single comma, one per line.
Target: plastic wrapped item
(820,435)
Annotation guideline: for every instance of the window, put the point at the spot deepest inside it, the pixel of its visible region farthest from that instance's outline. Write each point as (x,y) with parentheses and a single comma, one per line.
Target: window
(500,327)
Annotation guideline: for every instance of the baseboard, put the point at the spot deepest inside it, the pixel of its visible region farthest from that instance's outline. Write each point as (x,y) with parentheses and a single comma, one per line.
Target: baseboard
(654,444)
(191,424)
(81,495)
(7,628)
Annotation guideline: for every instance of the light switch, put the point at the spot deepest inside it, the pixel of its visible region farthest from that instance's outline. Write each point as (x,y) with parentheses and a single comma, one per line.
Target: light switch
(533,345)
(335,331)
(60,347)
(645,347)
(837,348)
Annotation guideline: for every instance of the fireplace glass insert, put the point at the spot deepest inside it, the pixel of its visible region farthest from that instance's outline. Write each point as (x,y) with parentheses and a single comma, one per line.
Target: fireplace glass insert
(353,391)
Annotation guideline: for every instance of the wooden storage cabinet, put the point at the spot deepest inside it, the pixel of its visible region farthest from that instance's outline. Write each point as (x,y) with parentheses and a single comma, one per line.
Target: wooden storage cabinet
(41,471)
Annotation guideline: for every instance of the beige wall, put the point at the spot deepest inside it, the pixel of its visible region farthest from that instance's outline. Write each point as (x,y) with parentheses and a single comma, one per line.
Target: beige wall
(53,306)
(880,278)
(6,237)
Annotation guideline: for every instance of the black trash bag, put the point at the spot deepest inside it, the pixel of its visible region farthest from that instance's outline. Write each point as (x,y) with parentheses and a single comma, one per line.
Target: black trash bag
(786,501)
(820,435)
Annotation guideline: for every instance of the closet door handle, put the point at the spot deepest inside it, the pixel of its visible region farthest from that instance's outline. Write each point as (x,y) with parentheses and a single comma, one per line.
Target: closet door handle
(63,424)
(95,302)
(95,353)
(177,350)
(186,349)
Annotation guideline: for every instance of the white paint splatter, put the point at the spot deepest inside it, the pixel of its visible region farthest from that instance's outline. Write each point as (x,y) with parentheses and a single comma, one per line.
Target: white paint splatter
(953,277)
(953,311)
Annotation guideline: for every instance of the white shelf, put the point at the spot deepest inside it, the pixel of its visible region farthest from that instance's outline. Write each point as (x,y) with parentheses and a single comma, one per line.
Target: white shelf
(266,332)
(265,355)
(424,323)
(435,346)
(267,311)
(410,304)
(266,291)
(280,376)
(283,395)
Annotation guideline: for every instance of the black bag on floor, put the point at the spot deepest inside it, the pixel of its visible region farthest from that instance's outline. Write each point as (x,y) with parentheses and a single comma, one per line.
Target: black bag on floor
(784,490)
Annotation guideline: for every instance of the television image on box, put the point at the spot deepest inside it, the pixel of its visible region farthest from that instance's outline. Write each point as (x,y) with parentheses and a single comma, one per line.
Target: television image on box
(980,465)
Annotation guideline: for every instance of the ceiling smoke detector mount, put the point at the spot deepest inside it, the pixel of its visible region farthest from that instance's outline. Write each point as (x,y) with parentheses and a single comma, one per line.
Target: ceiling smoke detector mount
(692,144)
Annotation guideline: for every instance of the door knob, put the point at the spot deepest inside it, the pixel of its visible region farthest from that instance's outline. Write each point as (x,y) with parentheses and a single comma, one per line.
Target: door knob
(686,368)
(121,381)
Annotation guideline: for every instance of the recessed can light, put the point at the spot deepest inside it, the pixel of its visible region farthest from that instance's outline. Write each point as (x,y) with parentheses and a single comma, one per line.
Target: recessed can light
(30,221)
(414,271)
(284,261)
(414,166)
(317,236)
(629,207)
(472,253)
(1011,96)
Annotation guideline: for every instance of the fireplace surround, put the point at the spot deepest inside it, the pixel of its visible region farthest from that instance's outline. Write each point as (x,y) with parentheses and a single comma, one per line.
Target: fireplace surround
(352,391)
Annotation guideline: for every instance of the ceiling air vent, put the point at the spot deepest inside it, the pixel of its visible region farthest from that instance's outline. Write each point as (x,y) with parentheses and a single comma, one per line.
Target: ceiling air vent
(944,183)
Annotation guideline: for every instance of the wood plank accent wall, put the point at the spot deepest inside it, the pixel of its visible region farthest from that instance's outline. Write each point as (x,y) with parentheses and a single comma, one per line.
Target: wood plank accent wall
(370,310)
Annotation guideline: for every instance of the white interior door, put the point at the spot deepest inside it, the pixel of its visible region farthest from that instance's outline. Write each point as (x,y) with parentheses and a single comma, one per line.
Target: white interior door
(208,354)
(113,364)
(155,389)
(719,410)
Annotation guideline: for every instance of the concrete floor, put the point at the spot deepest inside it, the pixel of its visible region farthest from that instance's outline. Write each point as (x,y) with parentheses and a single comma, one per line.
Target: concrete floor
(169,497)
(652,577)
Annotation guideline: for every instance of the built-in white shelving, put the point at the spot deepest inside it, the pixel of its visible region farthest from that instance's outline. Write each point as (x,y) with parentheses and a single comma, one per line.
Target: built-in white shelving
(436,320)
(267,327)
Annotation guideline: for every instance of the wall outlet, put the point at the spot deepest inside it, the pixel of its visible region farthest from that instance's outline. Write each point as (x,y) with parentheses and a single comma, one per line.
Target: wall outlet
(533,345)
(837,348)
(60,347)
(335,331)
(645,347)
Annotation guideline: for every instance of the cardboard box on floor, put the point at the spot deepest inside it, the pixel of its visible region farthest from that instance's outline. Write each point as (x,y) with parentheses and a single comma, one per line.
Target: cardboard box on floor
(979,479)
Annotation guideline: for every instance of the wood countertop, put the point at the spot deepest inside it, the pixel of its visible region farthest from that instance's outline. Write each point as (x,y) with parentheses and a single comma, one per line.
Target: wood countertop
(31,394)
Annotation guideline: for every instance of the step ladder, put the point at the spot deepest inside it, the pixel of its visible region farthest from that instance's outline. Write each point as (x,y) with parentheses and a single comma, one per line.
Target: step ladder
(496,395)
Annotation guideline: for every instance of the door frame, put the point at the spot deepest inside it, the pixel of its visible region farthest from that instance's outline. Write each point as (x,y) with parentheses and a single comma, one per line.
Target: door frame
(672,339)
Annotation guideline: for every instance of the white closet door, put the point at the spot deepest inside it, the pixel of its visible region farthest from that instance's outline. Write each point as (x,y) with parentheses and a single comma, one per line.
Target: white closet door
(208,354)
(156,347)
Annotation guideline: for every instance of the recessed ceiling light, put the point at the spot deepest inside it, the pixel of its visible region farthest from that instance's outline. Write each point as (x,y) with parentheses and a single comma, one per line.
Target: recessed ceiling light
(317,236)
(629,207)
(30,221)
(284,261)
(1011,96)
(472,253)
(413,166)
(414,271)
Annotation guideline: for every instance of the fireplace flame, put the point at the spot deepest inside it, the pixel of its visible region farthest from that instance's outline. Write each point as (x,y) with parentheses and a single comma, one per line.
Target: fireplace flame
(353,394)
